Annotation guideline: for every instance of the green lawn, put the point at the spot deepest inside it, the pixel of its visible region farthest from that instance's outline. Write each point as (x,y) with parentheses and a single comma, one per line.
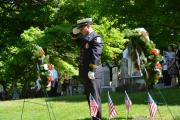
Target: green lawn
(76,108)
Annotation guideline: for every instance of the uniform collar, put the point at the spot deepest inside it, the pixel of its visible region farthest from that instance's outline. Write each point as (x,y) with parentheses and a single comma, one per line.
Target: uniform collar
(90,36)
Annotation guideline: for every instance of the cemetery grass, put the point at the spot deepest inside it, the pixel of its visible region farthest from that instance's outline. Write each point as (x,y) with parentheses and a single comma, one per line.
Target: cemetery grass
(76,107)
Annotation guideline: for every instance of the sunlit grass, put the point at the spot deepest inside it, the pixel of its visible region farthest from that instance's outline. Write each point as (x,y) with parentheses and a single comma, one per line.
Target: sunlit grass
(76,107)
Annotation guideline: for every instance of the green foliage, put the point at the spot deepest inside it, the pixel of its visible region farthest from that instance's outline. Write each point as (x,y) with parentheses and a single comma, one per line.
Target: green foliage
(58,43)
(48,24)
(55,40)
(65,69)
(113,39)
(159,17)
(32,35)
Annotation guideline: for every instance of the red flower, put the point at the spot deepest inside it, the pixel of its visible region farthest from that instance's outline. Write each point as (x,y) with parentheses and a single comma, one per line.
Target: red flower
(155,52)
(158,66)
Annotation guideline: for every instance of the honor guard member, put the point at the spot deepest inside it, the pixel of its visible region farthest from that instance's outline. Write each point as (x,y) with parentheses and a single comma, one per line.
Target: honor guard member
(90,69)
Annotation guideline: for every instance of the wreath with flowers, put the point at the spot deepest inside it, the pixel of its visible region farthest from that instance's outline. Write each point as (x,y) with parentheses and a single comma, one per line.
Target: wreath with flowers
(149,61)
(44,68)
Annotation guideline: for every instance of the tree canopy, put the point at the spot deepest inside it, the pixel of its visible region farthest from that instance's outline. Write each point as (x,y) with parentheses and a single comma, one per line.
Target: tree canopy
(49,23)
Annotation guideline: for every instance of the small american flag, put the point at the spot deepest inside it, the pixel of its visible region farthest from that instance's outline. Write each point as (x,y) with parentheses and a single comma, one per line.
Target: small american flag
(152,106)
(112,110)
(128,102)
(93,106)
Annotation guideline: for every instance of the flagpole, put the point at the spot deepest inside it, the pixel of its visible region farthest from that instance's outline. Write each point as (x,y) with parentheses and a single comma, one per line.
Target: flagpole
(109,112)
(90,107)
(126,115)
(126,109)
(108,109)
(90,112)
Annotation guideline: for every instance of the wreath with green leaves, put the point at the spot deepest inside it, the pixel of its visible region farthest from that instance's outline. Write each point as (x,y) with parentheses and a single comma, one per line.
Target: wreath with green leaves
(40,57)
(150,65)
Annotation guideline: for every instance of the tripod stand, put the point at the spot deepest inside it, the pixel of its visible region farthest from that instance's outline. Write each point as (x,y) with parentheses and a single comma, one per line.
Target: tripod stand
(48,106)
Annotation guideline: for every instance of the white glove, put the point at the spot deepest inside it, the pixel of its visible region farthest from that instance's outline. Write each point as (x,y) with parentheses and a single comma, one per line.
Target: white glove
(75,30)
(91,75)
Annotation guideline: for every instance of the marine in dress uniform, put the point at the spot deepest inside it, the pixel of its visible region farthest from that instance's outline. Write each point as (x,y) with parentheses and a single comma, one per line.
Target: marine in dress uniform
(90,69)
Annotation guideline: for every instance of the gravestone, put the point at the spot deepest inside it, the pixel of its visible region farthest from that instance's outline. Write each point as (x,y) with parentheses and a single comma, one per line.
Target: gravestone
(106,76)
(114,78)
(106,79)
(15,94)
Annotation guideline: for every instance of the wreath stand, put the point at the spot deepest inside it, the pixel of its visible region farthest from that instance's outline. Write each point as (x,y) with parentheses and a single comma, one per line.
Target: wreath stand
(138,34)
(48,106)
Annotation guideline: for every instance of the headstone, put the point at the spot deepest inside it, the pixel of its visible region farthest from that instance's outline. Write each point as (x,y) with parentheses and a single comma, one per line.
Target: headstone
(124,68)
(106,76)
(15,94)
(114,78)
(1,91)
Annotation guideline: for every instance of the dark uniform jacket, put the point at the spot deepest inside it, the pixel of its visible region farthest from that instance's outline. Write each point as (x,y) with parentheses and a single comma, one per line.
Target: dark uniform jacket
(90,53)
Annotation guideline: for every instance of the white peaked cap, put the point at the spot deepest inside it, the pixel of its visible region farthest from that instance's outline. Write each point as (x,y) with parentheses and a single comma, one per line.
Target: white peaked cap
(85,20)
